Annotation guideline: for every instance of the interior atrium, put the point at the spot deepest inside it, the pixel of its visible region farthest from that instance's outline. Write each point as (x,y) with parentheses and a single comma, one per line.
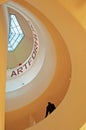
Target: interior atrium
(43,49)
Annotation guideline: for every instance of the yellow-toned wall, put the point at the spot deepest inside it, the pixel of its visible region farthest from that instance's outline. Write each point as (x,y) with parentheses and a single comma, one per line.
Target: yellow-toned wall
(3,1)
(3,57)
(71,113)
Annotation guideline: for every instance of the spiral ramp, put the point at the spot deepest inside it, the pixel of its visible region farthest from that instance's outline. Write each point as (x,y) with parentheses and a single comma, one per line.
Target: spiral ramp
(65,84)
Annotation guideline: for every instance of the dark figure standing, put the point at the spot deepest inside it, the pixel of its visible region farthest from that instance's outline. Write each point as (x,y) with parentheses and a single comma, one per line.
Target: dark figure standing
(50,108)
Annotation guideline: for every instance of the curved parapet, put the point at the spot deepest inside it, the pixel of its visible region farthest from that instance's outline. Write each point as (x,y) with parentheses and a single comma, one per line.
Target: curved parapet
(54,75)
(69,39)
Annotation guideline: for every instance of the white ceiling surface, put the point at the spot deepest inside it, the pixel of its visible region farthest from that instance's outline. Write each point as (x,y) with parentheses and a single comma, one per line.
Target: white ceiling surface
(29,86)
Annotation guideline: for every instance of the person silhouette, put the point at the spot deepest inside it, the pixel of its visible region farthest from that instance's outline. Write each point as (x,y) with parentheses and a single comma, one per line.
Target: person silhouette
(50,108)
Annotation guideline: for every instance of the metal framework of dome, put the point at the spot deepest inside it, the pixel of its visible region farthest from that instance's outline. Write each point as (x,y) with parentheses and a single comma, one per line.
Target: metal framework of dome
(15,33)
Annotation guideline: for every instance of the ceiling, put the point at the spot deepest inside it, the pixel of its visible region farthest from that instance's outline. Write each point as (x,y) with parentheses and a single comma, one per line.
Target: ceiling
(24,49)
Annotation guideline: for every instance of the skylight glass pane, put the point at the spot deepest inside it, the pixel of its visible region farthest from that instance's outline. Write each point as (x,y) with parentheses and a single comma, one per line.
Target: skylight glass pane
(16,30)
(11,37)
(15,33)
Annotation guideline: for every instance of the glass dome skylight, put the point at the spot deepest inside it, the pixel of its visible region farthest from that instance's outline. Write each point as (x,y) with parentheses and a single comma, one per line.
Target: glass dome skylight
(15,33)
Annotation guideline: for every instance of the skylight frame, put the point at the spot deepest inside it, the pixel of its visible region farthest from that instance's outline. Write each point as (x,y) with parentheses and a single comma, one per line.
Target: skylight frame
(16,33)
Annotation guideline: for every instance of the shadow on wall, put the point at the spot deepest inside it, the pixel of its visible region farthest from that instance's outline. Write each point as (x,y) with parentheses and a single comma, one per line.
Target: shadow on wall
(80,3)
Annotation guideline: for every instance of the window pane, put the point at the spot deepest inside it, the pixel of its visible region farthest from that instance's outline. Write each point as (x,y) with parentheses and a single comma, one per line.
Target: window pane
(15,33)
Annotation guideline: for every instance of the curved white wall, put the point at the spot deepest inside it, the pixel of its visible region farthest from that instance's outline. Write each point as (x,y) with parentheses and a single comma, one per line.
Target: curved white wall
(57,87)
(70,114)
(36,77)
